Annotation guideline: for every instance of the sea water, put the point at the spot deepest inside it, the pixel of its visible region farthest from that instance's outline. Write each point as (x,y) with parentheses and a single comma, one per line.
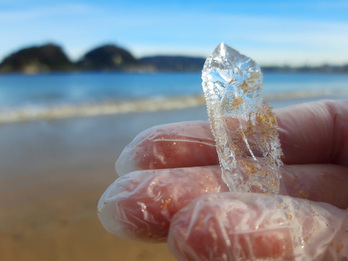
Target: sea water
(24,96)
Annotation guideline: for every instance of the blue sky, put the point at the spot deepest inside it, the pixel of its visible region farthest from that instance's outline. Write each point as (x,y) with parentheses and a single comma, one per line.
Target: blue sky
(272,32)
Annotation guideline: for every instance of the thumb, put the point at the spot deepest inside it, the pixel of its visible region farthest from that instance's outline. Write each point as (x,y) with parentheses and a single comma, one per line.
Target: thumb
(245,226)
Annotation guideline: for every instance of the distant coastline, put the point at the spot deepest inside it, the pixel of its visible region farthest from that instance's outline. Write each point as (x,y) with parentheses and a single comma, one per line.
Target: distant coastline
(52,58)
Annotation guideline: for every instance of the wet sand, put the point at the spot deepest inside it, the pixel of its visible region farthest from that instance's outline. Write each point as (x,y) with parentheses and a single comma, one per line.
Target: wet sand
(52,174)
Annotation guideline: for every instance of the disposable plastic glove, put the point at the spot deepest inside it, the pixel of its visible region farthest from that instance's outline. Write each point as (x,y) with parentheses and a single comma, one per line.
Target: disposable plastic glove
(168,190)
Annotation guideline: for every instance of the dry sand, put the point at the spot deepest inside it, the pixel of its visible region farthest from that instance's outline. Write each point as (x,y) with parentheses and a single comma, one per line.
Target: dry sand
(52,174)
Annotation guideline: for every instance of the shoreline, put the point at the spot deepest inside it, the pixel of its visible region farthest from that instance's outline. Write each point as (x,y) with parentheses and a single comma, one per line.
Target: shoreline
(52,176)
(53,173)
(155,104)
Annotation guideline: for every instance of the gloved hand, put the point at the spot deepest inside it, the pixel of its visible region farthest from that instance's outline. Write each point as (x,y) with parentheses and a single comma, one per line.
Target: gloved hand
(170,189)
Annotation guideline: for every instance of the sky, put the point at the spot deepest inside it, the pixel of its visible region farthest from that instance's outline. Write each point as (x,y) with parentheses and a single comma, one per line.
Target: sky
(296,32)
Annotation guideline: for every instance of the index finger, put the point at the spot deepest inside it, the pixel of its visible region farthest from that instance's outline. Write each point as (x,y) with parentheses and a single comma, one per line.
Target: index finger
(311,133)
(176,145)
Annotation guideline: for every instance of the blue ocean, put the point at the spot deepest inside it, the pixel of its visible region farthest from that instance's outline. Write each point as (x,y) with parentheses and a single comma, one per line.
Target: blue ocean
(53,95)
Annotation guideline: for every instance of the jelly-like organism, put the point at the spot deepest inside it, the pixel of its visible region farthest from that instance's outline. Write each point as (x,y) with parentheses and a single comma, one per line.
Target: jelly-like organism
(244,127)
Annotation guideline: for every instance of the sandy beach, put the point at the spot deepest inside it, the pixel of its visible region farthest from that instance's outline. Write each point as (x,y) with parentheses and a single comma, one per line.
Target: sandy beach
(52,175)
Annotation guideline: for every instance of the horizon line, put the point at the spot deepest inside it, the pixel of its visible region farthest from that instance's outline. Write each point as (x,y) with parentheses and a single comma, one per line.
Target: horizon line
(160,54)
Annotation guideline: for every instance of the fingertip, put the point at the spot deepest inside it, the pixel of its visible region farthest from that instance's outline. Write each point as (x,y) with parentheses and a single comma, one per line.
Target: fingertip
(177,145)
(119,208)
(141,204)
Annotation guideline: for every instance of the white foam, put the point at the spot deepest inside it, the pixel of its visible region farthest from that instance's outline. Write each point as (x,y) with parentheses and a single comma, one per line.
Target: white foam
(32,113)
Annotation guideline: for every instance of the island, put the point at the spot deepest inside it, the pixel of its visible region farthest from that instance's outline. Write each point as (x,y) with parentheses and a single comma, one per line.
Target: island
(51,57)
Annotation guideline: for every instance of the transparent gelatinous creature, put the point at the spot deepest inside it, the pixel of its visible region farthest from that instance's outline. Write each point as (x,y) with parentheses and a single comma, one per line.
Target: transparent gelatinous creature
(244,127)
(170,188)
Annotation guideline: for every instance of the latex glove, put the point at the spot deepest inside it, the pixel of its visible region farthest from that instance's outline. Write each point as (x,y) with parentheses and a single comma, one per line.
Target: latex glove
(166,184)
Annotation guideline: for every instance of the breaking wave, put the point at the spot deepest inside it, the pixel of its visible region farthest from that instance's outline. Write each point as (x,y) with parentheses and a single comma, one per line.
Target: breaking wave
(144,105)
